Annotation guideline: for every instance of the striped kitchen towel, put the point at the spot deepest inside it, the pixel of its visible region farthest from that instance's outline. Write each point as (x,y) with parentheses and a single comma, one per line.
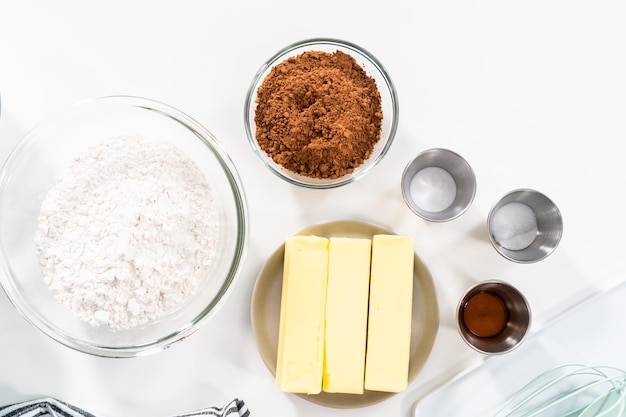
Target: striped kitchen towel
(51,407)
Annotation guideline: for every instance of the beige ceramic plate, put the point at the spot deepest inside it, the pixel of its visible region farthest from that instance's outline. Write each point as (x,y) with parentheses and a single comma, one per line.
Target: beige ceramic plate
(266,312)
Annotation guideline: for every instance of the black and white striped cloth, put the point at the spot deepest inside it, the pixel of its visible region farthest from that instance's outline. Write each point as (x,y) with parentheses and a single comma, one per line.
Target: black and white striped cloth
(51,407)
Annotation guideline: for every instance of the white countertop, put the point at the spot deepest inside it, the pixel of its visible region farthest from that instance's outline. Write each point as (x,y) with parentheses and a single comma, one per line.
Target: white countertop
(577,337)
(531,93)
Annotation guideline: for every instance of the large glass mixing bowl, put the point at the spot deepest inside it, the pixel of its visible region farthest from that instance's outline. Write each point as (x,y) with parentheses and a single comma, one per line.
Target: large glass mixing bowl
(31,170)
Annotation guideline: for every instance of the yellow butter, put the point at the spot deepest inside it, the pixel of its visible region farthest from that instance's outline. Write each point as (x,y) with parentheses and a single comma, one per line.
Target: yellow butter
(390,310)
(346,315)
(301,330)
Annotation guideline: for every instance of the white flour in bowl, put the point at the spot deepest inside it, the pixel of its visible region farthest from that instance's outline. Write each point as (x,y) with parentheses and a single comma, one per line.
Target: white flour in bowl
(127,232)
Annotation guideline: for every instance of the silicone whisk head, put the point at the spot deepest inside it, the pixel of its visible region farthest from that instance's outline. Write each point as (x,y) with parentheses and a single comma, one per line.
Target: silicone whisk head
(571,391)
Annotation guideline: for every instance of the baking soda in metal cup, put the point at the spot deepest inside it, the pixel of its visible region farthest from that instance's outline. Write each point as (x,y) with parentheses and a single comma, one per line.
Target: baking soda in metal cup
(438,185)
(525,226)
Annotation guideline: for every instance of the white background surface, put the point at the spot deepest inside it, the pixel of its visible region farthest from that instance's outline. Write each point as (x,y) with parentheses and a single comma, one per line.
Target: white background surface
(577,337)
(531,93)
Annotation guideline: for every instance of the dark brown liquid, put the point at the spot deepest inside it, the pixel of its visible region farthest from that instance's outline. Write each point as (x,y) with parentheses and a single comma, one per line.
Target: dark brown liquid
(485,314)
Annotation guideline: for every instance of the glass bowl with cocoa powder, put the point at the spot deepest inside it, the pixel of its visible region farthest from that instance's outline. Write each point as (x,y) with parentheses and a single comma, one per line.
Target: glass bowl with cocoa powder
(321,113)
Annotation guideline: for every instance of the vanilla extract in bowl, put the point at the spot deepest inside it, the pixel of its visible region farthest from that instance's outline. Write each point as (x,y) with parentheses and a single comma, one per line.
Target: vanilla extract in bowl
(493,317)
(485,314)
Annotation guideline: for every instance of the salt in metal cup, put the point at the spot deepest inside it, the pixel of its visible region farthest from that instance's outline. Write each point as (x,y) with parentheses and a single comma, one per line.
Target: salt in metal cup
(525,226)
(438,185)
(516,322)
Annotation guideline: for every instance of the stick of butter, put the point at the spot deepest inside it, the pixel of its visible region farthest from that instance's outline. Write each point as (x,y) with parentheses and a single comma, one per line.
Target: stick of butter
(390,311)
(346,315)
(303,301)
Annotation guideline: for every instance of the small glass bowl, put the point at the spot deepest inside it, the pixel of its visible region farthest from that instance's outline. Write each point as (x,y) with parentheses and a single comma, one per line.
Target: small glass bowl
(372,67)
(31,170)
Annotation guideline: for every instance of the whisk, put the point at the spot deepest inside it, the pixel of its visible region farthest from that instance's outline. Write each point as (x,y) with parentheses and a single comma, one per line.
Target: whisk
(571,391)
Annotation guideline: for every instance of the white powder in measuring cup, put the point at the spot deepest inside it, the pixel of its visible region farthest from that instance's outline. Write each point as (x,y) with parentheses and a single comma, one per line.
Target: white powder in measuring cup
(433,189)
(514,226)
(127,232)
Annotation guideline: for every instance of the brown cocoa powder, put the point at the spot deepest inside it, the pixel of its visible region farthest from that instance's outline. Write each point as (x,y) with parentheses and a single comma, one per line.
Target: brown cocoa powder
(318,114)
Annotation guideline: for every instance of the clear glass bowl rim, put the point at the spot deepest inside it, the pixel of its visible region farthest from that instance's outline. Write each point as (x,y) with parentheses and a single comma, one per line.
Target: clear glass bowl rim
(213,145)
(257,80)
